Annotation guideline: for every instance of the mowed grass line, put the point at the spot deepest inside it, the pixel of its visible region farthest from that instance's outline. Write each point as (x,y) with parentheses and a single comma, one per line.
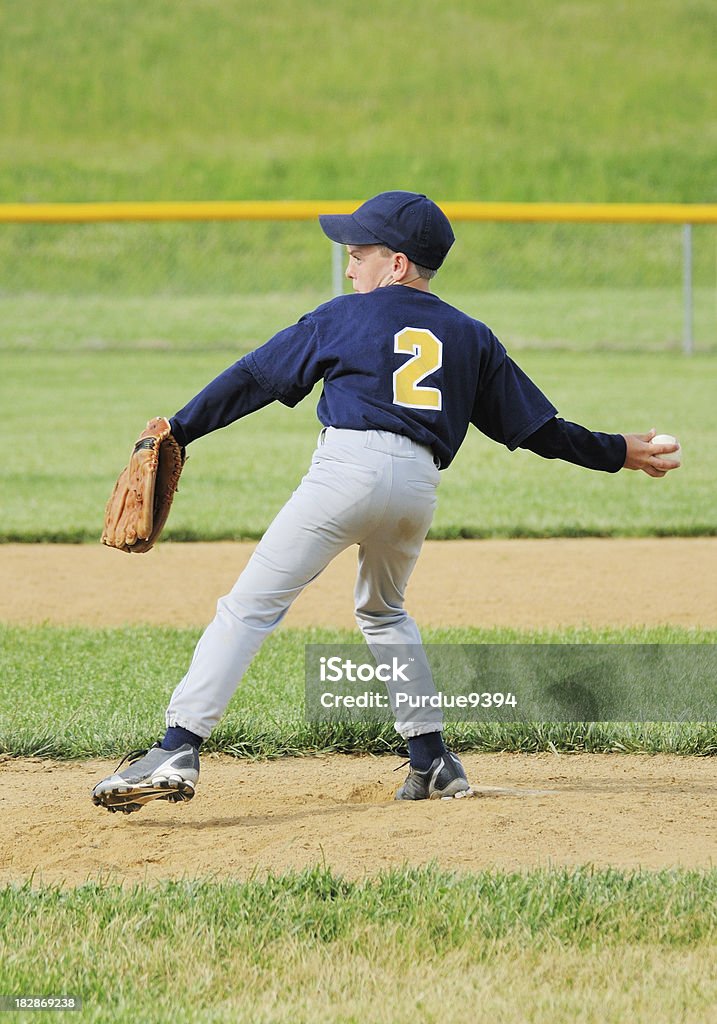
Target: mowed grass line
(62,410)
(587,319)
(78,693)
(544,946)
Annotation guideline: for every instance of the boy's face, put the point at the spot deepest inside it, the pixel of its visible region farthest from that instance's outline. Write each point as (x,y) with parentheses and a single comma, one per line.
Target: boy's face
(367,268)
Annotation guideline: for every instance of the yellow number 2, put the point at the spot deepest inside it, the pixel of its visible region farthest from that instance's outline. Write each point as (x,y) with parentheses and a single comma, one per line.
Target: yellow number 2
(427,353)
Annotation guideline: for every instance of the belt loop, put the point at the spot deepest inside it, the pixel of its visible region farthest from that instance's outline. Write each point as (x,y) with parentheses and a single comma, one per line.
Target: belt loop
(322,435)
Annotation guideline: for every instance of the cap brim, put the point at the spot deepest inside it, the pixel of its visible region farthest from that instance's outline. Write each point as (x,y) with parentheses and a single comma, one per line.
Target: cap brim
(343,228)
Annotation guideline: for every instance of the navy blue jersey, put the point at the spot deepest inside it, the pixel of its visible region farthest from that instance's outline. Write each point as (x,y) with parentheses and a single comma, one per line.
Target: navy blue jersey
(402,360)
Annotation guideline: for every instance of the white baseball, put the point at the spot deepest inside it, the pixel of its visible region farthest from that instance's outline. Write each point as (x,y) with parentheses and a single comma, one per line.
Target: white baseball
(668,439)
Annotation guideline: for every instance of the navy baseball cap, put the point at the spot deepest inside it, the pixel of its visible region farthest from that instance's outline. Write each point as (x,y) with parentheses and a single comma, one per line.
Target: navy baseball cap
(406,222)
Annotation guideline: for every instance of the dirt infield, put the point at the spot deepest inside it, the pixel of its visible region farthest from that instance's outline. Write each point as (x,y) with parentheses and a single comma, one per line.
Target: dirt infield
(524,583)
(531,810)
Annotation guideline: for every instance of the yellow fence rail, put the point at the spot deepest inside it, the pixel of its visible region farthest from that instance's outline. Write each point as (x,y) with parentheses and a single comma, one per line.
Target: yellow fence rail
(288,210)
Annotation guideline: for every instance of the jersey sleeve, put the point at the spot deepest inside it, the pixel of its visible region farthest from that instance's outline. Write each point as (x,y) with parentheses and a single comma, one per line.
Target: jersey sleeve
(284,369)
(508,406)
(289,364)
(233,394)
(561,439)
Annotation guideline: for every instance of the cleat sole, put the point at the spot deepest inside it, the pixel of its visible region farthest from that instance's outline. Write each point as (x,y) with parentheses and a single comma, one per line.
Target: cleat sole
(128,799)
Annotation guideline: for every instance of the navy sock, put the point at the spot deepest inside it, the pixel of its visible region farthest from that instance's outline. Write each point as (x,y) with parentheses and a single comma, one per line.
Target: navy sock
(423,750)
(176,737)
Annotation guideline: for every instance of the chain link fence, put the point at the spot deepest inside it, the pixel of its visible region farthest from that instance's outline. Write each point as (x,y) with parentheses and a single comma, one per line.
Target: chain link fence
(578,286)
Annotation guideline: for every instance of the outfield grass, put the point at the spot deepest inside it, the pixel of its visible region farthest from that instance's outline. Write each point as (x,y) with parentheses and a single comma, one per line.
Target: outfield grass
(580,945)
(62,409)
(501,100)
(606,320)
(103,692)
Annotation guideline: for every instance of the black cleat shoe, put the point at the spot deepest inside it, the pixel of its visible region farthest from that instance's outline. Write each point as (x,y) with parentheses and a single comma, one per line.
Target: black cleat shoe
(444,780)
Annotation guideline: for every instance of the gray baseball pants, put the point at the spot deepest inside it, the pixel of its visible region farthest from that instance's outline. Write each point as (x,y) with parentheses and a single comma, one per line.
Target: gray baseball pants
(371,488)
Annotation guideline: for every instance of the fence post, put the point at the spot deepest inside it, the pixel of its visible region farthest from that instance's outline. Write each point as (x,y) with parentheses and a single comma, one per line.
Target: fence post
(687,329)
(337,269)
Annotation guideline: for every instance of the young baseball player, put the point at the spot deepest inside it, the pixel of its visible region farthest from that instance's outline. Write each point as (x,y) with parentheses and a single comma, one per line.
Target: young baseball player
(404,376)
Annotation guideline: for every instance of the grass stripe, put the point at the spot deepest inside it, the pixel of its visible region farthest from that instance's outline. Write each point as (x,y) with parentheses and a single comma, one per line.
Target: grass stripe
(564,944)
(78,692)
(441,910)
(486,492)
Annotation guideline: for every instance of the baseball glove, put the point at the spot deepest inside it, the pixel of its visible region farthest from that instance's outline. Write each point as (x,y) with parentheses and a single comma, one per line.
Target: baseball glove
(142,497)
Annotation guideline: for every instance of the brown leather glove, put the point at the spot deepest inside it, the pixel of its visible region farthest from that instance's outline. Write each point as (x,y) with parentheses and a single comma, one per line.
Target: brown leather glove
(142,497)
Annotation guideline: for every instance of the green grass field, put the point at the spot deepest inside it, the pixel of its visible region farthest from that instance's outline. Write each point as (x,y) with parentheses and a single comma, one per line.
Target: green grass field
(90,404)
(547,945)
(500,100)
(103,692)
(101,327)
(580,945)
